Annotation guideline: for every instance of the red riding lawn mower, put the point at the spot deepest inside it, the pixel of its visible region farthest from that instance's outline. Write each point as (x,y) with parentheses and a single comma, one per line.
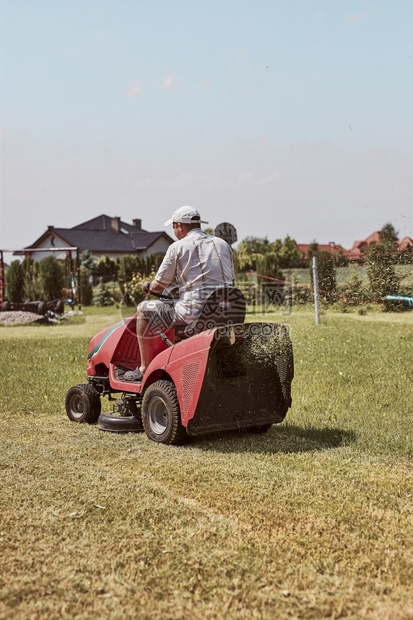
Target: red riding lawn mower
(215,374)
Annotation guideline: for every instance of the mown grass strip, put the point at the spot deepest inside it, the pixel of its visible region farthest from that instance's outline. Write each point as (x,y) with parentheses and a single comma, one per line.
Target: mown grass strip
(312,520)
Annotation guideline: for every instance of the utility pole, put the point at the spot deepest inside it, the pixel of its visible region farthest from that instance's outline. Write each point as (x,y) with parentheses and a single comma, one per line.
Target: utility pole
(2,279)
(79,298)
(316,291)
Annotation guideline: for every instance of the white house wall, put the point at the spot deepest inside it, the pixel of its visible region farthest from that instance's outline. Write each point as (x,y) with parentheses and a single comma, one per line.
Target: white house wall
(51,242)
(159,247)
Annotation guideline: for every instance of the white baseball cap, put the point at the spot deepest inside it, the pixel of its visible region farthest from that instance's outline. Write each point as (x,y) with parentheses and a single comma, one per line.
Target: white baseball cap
(185,215)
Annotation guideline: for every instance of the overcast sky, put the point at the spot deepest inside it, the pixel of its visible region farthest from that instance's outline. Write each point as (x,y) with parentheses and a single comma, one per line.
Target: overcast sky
(279,116)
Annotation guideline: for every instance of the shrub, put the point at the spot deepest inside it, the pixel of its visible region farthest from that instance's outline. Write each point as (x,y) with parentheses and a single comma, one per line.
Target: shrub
(288,254)
(252,251)
(131,264)
(107,267)
(51,278)
(133,288)
(86,289)
(15,279)
(32,284)
(302,295)
(87,261)
(353,293)
(269,265)
(340,259)
(102,296)
(405,257)
(381,271)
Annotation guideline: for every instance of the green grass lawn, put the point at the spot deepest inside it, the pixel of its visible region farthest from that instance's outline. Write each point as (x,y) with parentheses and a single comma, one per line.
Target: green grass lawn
(312,520)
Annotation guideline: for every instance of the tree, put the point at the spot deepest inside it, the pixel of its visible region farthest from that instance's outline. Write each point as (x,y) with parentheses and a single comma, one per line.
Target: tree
(87,265)
(252,250)
(15,279)
(388,235)
(268,265)
(132,263)
(388,239)
(87,261)
(107,267)
(102,296)
(86,289)
(51,278)
(256,245)
(32,284)
(247,254)
(353,293)
(381,271)
(340,259)
(289,254)
(312,250)
(405,257)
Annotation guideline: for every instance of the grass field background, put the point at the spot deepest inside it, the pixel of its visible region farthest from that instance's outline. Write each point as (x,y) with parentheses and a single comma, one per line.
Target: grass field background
(312,520)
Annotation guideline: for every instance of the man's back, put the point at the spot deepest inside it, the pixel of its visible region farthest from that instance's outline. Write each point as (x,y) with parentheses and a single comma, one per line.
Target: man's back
(199,263)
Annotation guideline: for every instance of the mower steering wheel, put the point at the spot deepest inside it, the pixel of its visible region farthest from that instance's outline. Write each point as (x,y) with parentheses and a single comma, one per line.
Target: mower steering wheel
(170,291)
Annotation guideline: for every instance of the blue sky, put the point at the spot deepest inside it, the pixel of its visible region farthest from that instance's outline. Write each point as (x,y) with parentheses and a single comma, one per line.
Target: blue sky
(279,116)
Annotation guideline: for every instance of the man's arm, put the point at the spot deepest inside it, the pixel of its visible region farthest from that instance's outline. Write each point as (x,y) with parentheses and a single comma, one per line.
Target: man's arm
(166,272)
(153,286)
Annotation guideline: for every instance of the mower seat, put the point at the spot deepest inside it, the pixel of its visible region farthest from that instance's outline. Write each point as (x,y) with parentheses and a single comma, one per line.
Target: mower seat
(224,306)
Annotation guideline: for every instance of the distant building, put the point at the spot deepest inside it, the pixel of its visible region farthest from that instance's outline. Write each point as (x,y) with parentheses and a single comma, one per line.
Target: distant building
(332,248)
(405,244)
(358,250)
(102,236)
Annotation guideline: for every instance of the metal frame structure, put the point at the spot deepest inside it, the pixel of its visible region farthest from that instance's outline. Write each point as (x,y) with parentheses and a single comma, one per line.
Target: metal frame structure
(28,251)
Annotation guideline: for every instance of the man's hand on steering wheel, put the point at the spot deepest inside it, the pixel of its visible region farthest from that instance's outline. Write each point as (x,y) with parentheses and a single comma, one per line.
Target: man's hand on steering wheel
(162,291)
(145,287)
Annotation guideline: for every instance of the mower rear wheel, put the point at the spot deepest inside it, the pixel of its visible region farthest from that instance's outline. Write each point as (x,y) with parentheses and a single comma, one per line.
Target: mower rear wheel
(161,414)
(83,403)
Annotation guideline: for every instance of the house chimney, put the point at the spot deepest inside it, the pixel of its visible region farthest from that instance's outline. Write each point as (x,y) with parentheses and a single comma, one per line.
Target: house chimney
(137,224)
(115,224)
(50,227)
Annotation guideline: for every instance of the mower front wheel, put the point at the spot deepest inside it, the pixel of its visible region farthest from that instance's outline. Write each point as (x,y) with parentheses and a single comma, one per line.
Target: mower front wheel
(83,403)
(161,414)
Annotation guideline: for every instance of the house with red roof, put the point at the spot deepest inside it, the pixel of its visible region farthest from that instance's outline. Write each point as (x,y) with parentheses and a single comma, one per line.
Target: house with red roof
(406,244)
(358,250)
(333,248)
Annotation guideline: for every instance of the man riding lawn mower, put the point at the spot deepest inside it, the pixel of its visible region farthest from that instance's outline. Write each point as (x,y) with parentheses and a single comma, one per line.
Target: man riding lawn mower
(190,365)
